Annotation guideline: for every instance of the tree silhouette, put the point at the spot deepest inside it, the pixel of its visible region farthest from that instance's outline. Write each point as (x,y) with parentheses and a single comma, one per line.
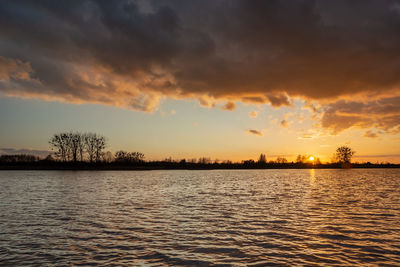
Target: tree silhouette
(262,159)
(301,158)
(344,154)
(100,145)
(281,160)
(74,143)
(59,142)
(90,146)
(204,160)
(72,146)
(129,157)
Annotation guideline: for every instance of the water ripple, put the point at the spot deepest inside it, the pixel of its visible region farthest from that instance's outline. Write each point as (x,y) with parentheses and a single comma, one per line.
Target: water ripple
(200,218)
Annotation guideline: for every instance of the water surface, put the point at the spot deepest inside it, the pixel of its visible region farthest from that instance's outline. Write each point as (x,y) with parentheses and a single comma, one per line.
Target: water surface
(221,217)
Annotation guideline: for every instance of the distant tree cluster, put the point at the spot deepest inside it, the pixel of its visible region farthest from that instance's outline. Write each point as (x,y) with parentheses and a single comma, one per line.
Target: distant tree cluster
(204,160)
(88,148)
(128,157)
(75,146)
(18,158)
(262,159)
(281,160)
(303,159)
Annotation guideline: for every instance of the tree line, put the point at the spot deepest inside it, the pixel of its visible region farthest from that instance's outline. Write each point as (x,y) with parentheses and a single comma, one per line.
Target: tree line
(88,148)
(342,155)
(76,146)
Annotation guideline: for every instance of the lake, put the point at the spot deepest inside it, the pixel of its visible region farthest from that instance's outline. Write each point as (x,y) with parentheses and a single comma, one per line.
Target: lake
(217,217)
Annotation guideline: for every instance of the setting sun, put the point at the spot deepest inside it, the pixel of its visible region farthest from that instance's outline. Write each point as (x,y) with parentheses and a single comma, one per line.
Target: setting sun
(311,158)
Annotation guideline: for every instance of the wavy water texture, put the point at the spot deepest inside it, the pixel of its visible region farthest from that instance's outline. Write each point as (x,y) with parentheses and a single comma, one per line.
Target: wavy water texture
(207,218)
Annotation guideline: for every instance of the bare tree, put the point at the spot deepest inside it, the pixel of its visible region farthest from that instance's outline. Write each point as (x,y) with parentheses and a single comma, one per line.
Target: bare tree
(100,145)
(74,142)
(59,142)
(344,154)
(81,146)
(90,145)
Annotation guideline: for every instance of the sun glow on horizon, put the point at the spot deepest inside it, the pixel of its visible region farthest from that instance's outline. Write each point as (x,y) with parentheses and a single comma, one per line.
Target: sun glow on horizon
(311,158)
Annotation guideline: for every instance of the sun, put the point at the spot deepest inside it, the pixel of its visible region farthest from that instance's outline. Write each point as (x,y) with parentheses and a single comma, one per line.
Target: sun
(311,158)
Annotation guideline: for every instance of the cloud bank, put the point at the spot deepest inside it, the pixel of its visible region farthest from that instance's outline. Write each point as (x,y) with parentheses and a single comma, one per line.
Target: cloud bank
(383,114)
(24,151)
(132,54)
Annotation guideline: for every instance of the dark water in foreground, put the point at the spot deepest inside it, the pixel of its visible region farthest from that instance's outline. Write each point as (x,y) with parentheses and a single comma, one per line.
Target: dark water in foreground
(240,217)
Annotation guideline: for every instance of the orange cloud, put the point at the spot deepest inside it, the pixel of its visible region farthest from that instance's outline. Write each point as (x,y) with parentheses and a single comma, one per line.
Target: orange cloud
(14,69)
(229,106)
(253,114)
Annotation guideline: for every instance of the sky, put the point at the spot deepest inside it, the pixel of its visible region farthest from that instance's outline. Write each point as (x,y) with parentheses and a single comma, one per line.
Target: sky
(187,79)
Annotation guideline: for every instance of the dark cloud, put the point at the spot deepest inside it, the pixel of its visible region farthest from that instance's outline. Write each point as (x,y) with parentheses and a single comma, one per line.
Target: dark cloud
(255,132)
(383,114)
(133,53)
(24,151)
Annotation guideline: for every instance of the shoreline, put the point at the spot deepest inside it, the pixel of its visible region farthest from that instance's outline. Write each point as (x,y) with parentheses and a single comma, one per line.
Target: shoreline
(61,166)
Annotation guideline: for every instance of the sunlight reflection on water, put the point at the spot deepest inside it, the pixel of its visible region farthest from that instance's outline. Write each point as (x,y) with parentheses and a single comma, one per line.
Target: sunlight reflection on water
(312,176)
(234,217)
